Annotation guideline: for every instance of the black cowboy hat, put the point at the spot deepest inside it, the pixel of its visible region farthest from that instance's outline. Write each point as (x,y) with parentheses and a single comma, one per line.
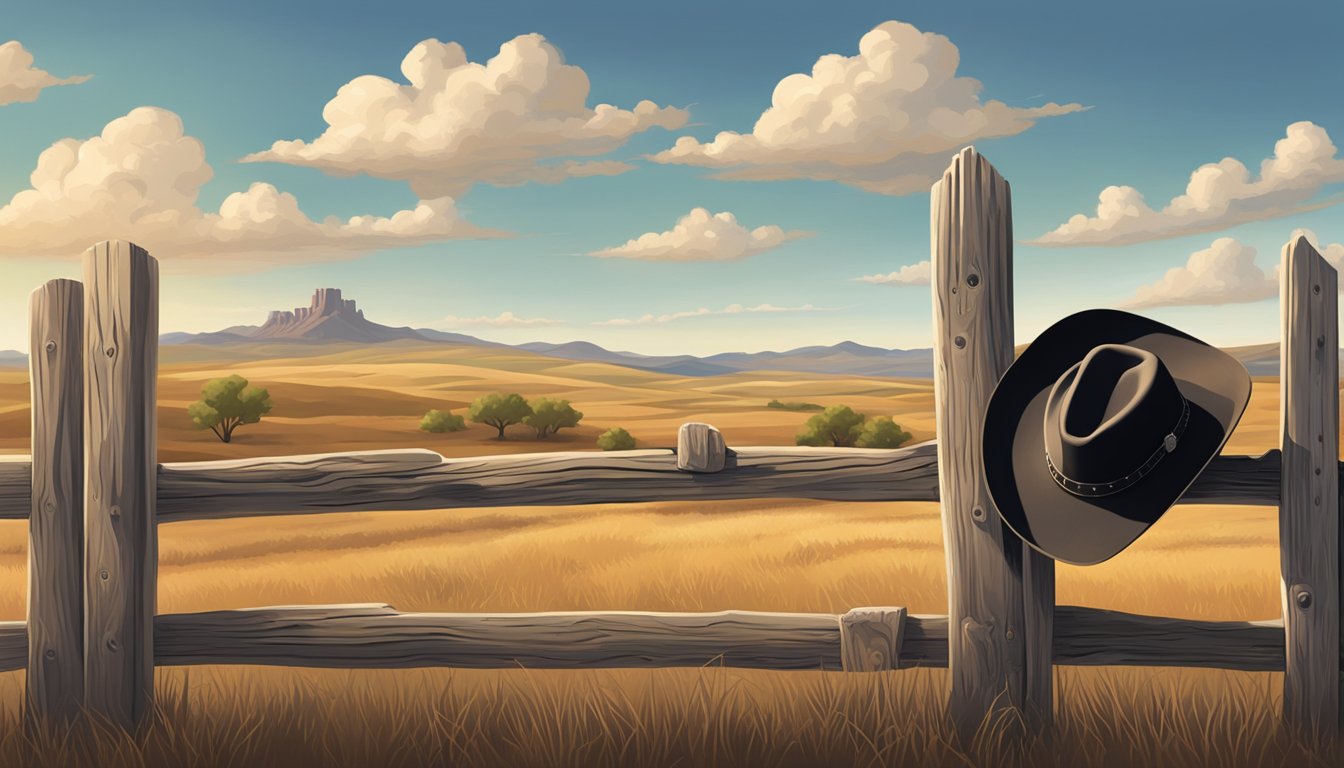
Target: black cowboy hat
(1099,427)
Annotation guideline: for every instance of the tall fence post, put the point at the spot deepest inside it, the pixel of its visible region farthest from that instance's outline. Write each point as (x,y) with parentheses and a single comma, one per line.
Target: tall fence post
(1001,594)
(1309,503)
(56,519)
(121,311)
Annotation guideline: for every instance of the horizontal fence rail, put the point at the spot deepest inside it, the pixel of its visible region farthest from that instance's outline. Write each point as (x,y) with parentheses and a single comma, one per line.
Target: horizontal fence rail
(377,636)
(419,479)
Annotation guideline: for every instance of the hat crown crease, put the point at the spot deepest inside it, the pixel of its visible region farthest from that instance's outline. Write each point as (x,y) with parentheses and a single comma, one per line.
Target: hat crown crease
(1110,412)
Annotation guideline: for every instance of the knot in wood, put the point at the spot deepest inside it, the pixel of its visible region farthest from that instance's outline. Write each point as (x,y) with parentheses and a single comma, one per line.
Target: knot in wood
(972,279)
(51,346)
(960,341)
(50,654)
(112,644)
(103,574)
(1303,598)
(111,351)
(978,514)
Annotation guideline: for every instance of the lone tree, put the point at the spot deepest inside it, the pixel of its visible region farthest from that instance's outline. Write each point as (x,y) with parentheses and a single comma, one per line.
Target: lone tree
(442,421)
(838,425)
(499,411)
(615,439)
(881,432)
(227,404)
(549,416)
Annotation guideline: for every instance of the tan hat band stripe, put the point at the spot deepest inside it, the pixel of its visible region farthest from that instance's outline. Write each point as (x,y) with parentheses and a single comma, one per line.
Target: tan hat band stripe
(1093,490)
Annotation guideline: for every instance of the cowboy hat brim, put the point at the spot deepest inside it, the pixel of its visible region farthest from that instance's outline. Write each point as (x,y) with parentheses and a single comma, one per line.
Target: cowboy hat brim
(1088,530)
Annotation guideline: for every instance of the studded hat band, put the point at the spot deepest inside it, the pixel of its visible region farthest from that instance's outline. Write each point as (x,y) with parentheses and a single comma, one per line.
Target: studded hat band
(1093,490)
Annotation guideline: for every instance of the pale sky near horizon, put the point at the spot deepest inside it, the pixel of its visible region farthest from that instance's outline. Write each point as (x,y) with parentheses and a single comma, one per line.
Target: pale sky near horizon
(551,172)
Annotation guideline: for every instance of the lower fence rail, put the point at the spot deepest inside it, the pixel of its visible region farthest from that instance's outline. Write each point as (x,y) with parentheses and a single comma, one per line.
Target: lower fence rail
(378,636)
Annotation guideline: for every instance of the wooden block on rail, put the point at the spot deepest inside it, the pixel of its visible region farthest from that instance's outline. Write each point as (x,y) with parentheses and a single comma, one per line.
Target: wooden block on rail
(700,448)
(871,638)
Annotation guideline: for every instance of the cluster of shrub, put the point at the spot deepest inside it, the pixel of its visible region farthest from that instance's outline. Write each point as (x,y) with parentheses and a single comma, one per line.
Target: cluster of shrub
(841,426)
(545,416)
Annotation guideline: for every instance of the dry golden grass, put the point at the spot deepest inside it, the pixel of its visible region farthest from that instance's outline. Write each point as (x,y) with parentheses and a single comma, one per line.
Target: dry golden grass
(1197,562)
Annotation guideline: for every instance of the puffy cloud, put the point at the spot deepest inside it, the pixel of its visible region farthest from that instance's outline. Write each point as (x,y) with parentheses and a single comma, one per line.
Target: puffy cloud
(1223,273)
(20,81)
(139,179)
(522,116)
(885,120)
(703,236)
(502,320)
(1219,195)
(910,274)
(731,309)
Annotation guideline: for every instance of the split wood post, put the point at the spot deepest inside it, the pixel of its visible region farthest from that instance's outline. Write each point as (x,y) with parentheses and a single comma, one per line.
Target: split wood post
(55,680)
(871,639)
(1309,544)
(700,448)
(121,311)
(1001,594)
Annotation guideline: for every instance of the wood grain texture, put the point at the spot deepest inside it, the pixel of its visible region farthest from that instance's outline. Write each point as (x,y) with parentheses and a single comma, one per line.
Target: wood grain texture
(55,682)
(377,636)
(13,645)
(415,479)
(121,310)
(999,645)
(1309,543)
(871,639)
(700,448)
(1095,637)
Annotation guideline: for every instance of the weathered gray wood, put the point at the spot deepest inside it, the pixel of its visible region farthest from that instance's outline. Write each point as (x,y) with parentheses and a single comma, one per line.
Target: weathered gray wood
(388,480)
(871,639)
(376,636)
(700,448)
(55,682)
(121,311)
(13,645)
(1309,543)
(1095,637)
(999,647)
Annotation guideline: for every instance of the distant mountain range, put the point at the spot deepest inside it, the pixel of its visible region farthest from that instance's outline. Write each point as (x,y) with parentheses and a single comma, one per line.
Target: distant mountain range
(331,318)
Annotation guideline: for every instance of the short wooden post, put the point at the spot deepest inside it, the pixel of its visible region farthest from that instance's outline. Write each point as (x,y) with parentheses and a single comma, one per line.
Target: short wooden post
(1309,544)
(121,311)
(1001,594)
(700,448)
(56,520)
(871,638)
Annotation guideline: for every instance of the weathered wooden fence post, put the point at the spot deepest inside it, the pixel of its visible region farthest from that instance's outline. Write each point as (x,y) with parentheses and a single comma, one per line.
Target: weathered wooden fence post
(1001,594)
(56,519)
(1309,503)
(121,311)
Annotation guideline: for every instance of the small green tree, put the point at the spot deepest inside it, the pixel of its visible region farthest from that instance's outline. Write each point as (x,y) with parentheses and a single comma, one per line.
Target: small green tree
(499,411)
(881,432)
(615,439)
(442,421)
(550,416)
(838,425)
(227,404)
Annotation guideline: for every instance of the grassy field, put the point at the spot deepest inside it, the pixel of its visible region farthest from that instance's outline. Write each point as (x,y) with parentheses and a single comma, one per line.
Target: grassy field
(1197,562)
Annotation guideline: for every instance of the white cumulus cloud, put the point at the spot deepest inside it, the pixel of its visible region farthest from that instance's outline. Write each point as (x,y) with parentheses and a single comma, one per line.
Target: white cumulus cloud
(703,236)
(139,179)
(1223,273)
(910,274)
(1219,195)
(502,320)
(885,120)
(521,116)
(731,309)
(20,81)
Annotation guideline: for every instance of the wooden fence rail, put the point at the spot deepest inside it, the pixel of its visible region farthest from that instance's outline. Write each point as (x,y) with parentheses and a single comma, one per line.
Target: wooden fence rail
(377,636)
(416,479)
(95,495)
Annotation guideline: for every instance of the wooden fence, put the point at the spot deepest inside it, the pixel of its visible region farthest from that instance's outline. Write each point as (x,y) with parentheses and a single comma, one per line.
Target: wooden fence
(94,495)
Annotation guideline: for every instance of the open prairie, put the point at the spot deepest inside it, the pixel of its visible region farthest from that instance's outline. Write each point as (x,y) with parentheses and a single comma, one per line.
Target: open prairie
(1198,562)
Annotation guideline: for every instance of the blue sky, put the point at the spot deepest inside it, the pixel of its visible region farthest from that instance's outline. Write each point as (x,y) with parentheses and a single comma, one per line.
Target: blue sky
(1167,91)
